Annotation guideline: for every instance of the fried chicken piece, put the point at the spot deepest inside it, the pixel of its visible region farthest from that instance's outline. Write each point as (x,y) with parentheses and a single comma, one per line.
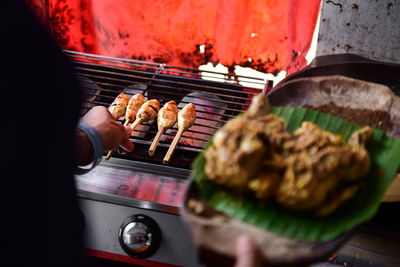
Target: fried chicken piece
(311,170)
(324,164)
(308,178)
(336,198)
(361,137)
(235,154)
(265,183)
(311,138)
(240,145)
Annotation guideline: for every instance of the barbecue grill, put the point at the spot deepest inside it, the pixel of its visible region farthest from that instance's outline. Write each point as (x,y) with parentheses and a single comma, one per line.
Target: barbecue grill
(131,202)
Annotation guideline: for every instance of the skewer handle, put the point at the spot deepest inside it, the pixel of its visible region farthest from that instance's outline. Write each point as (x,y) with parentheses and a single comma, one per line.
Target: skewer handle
(136,123)
(173,146)
(133,126)
(109,154)
(154,144)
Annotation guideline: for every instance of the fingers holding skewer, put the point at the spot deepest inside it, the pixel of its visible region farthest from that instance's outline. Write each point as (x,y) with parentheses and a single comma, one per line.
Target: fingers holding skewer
(138,111)
(142,111)
(147,112)
(186,118)
(166,118)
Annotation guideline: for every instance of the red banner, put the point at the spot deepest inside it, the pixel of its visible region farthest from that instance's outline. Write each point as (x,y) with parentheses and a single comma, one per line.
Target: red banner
(268,36)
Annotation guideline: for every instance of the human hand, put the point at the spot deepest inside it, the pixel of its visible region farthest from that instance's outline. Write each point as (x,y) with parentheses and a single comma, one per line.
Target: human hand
(113,133)
(247,254)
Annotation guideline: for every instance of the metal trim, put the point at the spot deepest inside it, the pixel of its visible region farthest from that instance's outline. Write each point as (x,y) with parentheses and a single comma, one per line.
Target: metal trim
(129,202)
(126,259)
(133,202)
(132,165)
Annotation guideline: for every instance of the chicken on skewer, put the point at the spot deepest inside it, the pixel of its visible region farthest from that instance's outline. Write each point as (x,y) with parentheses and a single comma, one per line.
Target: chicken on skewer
(186,118)
(147,112)
(166,118)
(131,107)
(134,105)
(118,109)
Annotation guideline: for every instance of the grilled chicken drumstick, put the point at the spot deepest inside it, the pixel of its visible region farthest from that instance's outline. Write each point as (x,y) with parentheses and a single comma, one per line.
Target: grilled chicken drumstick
(117,109)
(134,105)
(166,119)
(186,118)
(147,112)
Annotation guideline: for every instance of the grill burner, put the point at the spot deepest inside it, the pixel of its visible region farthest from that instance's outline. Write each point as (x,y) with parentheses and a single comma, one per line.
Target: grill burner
(103,78)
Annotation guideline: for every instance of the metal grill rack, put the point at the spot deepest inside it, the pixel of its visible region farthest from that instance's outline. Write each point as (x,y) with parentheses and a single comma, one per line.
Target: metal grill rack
(218,100)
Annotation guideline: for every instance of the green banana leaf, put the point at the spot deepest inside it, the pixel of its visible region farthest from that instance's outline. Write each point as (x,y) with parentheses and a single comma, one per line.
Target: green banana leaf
(385,159)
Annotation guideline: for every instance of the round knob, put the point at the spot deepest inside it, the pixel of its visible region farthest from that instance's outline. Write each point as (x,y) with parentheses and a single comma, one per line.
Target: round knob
(139,236)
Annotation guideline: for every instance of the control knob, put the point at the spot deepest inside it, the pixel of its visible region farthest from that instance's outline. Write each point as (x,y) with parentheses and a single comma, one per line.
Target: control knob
(139,236)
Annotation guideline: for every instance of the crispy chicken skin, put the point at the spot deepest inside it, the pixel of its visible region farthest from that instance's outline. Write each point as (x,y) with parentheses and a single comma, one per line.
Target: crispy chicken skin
(118,106)
(310,170)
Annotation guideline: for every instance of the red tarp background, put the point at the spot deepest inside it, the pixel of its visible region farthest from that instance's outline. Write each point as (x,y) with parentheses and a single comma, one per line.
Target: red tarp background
(275,34)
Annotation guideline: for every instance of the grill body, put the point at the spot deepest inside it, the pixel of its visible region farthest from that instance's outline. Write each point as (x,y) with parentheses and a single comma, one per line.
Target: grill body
(134,183)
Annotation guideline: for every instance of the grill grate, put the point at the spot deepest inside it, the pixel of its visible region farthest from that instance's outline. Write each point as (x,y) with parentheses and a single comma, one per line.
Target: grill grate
(218,100)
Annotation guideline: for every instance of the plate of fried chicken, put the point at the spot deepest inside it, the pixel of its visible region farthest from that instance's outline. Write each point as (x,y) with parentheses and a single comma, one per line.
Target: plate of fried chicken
(296,180)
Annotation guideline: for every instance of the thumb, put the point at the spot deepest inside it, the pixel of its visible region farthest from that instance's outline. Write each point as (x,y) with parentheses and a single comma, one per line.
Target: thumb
(126,143)
(247,254)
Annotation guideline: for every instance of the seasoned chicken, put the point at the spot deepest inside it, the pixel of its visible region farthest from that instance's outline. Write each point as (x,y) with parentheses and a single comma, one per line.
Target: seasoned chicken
(186,118)
(166,118)
(118,107)
(148,110)
(319,163)
(134,105)
(310,170)
(167,115)
(240,146)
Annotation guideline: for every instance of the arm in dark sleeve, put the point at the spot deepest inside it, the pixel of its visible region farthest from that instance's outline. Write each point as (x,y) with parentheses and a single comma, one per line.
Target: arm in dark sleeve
(40,109)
